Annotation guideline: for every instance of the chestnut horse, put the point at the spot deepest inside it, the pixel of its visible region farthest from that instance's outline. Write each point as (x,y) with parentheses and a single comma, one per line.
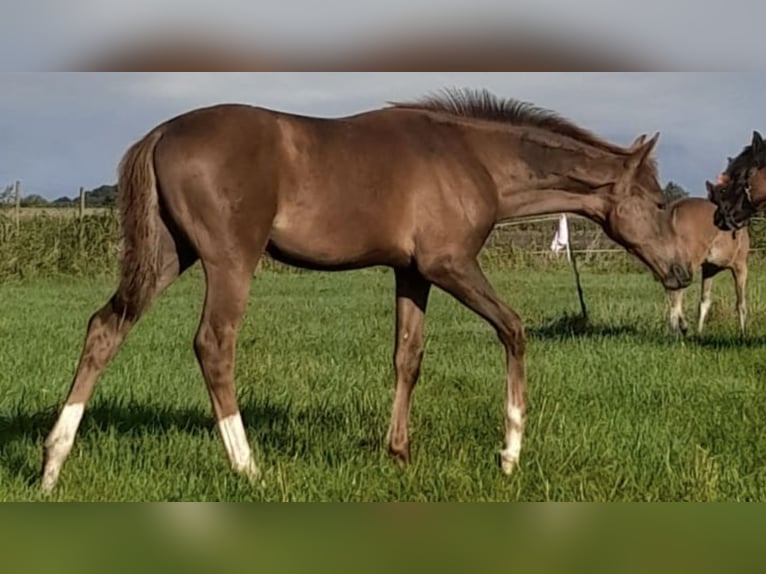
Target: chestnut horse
(714,251)
(741,189)
(417,187)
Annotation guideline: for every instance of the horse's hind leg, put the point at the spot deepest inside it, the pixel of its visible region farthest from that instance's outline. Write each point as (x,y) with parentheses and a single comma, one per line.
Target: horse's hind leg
(228,286)
(107,329)
(411,300)
(740,281)
(463,279)
(706,296)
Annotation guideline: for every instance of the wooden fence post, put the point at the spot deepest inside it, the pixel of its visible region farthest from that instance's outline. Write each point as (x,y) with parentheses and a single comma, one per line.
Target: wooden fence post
(17,194)
(82,202)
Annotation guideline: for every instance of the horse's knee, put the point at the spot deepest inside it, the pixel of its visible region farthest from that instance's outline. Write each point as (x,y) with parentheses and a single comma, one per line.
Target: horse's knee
(214,347)
(205,343)
(512,334)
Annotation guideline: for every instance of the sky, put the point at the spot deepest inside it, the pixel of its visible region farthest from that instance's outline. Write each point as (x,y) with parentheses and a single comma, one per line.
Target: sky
(60,131)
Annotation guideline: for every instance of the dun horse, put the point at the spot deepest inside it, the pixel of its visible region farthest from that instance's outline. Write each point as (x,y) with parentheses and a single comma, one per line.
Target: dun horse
(714,251)
(741,189)
(417,187)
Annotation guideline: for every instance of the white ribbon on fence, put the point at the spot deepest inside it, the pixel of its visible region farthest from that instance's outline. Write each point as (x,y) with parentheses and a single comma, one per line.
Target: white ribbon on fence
(561,239)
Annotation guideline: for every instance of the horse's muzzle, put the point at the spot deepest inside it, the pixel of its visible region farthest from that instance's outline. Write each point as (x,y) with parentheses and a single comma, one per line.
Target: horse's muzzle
(680,277)
(725,221)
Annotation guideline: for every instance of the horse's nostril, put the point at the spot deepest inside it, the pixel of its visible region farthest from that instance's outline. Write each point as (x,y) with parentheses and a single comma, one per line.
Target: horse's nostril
(725,220)
(719,220)
(681,274)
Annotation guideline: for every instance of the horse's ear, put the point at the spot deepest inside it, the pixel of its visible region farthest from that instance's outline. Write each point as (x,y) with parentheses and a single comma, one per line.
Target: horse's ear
(643,152)
(758,144)
(710,190)
(640,140)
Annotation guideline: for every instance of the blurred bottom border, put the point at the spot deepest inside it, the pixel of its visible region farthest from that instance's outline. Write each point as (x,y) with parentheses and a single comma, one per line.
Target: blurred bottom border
(382,537)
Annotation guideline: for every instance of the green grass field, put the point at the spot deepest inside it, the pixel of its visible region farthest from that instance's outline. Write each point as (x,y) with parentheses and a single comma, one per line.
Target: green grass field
(622,411)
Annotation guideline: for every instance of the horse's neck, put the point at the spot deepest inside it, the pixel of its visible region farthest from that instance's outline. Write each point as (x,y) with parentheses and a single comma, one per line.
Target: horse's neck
(550,201)
(538,175)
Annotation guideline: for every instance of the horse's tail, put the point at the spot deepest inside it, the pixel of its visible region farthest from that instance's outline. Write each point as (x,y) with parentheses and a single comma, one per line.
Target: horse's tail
(138,204)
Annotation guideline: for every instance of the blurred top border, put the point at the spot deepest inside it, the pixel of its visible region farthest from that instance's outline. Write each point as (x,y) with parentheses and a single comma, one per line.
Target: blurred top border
(438,53)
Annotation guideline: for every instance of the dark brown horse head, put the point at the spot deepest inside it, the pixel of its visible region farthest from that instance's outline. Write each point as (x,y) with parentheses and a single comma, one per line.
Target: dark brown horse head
(741,190)
(642,223)
(713,191)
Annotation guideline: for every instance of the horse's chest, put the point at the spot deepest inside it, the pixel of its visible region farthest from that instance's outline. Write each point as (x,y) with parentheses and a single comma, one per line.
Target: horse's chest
(719,254)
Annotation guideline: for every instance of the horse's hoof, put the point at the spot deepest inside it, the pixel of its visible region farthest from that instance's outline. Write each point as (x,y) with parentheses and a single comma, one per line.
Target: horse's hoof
(401,456)
(47,487)
(251,472)
(508,463)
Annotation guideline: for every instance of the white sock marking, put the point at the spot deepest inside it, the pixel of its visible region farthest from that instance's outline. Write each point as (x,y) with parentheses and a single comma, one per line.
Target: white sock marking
(237,448)
(705,306)
(59,443)
(514,434)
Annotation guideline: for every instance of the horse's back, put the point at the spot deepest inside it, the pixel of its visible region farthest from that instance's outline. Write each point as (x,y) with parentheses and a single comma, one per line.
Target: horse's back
(342,192)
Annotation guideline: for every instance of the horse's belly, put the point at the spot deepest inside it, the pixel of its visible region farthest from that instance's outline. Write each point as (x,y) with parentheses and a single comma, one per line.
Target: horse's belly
(342,245)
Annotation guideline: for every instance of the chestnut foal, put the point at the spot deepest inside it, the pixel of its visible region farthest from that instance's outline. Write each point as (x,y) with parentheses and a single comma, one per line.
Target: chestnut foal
(417,187)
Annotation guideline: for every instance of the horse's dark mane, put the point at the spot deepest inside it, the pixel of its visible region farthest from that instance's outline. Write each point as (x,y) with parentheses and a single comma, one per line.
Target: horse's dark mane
(484,105)
(740,163)
(745,161)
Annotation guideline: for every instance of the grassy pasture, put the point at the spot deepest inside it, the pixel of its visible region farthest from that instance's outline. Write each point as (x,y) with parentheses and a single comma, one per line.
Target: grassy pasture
(620,411)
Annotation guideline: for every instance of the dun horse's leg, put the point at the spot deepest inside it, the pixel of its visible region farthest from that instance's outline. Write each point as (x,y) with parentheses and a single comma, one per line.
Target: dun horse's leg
(740,281)
(107,330)
(706,296)
(464,279)
(411,300)
(677,320)
(706,301)
(215,345)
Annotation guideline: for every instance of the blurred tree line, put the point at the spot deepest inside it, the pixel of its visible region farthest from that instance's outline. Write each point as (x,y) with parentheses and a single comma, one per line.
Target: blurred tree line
(673,191)
(104,196)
